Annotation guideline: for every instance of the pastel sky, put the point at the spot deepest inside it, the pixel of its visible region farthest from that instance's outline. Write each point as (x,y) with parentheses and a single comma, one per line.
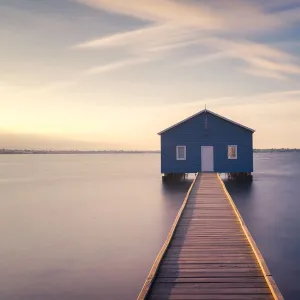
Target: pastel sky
(101,74)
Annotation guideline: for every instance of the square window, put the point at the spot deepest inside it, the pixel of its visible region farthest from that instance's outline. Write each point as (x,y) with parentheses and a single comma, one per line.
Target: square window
(232,152)
(181,152)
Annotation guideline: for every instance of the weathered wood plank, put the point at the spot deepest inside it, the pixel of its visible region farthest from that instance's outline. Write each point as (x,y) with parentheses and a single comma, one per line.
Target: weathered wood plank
(195,290)
(211,297)
(210,259)
(209,274)
(212,285)
(216,247)
(199,266)
(211,280)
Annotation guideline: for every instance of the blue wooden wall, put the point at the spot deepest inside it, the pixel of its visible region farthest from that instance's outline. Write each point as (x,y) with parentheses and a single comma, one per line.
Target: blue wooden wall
(221,133)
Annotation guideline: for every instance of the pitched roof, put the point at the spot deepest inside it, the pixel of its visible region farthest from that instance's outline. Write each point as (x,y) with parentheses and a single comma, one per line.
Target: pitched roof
(201,112)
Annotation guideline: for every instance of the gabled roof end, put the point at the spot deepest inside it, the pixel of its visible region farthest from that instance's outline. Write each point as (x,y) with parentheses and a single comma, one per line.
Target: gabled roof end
(199,113)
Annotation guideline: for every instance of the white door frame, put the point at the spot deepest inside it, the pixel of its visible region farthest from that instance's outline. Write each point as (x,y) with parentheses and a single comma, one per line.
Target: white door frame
(207,159)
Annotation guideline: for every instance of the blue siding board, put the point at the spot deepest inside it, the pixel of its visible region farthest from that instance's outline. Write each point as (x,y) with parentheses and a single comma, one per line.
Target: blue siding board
(221,133)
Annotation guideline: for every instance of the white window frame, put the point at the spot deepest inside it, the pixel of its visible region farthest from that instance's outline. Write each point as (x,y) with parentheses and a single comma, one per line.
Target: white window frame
(177,153)
(236,152)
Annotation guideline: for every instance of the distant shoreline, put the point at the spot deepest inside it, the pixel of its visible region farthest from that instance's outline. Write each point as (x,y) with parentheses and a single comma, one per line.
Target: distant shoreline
(26,151)
(8,151)
(72,152)
(276,150)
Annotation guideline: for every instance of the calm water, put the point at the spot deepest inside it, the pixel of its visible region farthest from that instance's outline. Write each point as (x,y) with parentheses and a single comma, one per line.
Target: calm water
(81,227)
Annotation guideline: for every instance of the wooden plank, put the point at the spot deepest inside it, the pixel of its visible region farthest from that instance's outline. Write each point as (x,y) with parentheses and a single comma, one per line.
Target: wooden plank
(212,248)
(211,235)
(230,244)
(206,238)
(213,285)
(206,265)
(209,274)
(207,256)
(187,269)
(210,256)
(210,280)
(194,290)
(212,297)
(210,242)
(207,253)
(209,260)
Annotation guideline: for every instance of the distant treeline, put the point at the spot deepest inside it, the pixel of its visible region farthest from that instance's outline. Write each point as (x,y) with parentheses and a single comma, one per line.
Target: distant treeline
(27,151)
(277,150)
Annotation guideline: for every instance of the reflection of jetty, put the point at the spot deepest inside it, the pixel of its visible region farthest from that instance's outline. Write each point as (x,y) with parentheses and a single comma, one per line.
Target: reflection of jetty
(209,252)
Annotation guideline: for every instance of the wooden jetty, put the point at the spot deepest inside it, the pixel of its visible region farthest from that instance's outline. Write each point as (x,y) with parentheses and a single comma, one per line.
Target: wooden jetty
(209,252)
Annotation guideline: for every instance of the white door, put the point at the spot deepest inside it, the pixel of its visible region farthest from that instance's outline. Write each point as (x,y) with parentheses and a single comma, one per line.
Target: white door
(207,158)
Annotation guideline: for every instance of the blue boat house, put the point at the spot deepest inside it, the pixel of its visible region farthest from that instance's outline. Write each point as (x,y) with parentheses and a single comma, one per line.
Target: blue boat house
(207,142)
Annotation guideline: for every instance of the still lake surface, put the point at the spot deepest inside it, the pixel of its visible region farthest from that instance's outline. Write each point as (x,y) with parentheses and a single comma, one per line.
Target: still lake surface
(86,227)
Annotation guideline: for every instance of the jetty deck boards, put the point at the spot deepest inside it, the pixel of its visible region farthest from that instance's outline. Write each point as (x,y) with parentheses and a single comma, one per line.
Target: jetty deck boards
(208,255)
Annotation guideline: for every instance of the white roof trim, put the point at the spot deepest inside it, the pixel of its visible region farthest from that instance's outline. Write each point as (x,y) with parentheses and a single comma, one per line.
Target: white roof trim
(199,113)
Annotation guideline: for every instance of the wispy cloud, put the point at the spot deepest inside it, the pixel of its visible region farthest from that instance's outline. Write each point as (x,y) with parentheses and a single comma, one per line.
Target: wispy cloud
(274,67)
(160,11)
(205,58)
(52,86)
(116,65)
(179,24)
(157,37)
(126,38)
(262,73)
(276,97)
(271,97)
(141,45)
(35,90)
(233,15)
(261,60)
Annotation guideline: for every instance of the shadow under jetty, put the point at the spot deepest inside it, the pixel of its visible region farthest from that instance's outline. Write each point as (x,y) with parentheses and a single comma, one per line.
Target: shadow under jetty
(174,177)
(240,176)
